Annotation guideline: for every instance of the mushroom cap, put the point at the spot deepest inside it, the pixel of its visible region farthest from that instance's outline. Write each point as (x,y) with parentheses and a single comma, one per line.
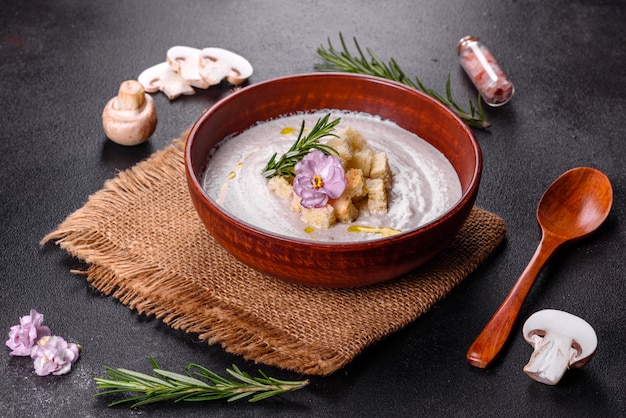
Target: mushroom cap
(564,323)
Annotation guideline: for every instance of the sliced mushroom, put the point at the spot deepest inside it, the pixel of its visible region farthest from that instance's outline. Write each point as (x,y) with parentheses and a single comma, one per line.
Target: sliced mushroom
(130,117)
(213,71)
(186,61)
(217,64)
(163,77)
(560,340)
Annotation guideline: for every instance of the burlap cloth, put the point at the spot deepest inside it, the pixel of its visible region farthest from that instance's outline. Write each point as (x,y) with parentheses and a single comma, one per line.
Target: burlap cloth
(145,246)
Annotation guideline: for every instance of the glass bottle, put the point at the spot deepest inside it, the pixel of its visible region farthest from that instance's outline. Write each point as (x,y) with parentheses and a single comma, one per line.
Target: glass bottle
(484,71)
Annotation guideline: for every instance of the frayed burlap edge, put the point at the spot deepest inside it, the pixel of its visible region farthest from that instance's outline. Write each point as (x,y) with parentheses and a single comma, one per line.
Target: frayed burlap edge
(153,290)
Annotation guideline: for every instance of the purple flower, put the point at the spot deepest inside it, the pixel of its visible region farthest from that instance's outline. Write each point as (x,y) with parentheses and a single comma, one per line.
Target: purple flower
(319,177)
(54,355)
(24,336)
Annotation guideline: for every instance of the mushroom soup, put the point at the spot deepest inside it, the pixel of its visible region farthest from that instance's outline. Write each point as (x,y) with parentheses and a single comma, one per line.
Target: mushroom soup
(424,183)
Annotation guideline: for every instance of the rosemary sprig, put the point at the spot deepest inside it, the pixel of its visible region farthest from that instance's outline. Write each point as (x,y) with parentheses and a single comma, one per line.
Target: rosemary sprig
(303,145)
(360,64)
(166,385)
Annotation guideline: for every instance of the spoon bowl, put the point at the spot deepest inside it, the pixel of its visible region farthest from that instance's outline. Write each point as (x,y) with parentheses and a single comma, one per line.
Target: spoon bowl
(573,207)
(576,204)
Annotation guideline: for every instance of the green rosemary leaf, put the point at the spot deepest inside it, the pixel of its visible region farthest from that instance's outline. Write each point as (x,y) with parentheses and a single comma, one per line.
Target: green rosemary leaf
(239,396)
(154,364)
(131,376)
(244,377)
(301,147)
(335,60)
(181,378)
(260,396)
(205,373)
(117,388)
(143,389)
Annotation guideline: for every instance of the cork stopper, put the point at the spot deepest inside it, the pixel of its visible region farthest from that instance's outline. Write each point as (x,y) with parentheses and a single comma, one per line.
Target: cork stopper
(464,41)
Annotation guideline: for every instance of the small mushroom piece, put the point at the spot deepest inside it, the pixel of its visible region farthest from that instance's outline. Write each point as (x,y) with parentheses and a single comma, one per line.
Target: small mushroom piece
(560,340)
(130,117)
(185,60)
(217,64)
(163,77)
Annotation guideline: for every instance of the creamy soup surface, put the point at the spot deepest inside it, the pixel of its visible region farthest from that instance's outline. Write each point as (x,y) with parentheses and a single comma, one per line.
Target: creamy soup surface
(424,185)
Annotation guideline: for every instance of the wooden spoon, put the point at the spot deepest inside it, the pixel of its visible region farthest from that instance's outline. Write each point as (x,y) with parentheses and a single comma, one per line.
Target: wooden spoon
(573,207)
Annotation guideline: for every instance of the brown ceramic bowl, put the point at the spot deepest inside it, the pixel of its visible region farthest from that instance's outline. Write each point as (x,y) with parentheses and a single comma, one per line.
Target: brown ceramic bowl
(333,264)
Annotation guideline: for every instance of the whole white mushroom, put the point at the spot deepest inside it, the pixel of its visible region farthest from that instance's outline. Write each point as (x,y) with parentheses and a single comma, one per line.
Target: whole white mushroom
(129,118)
(561,340)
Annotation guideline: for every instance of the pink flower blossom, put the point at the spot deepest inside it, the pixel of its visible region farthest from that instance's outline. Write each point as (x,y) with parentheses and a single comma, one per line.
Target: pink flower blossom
(319,177)
(24,336)
(54,355)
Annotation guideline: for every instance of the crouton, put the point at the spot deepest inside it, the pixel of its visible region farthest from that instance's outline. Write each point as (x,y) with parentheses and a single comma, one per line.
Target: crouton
(345,211)
(343,148)
(362,159)
(280,186)
(376,196)
(354,138)
(296,203)
(380,169)
(320,218)
(355,183)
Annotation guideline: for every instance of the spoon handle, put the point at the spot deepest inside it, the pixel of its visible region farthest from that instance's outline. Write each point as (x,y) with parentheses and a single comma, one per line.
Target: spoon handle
(490,341)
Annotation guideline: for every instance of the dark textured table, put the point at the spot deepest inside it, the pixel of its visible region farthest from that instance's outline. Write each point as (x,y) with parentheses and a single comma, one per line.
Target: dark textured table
(61,61)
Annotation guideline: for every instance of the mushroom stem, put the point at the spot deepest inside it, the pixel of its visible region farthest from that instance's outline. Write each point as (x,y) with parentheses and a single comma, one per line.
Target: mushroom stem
(131,96)
(551,358)
(560,341)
